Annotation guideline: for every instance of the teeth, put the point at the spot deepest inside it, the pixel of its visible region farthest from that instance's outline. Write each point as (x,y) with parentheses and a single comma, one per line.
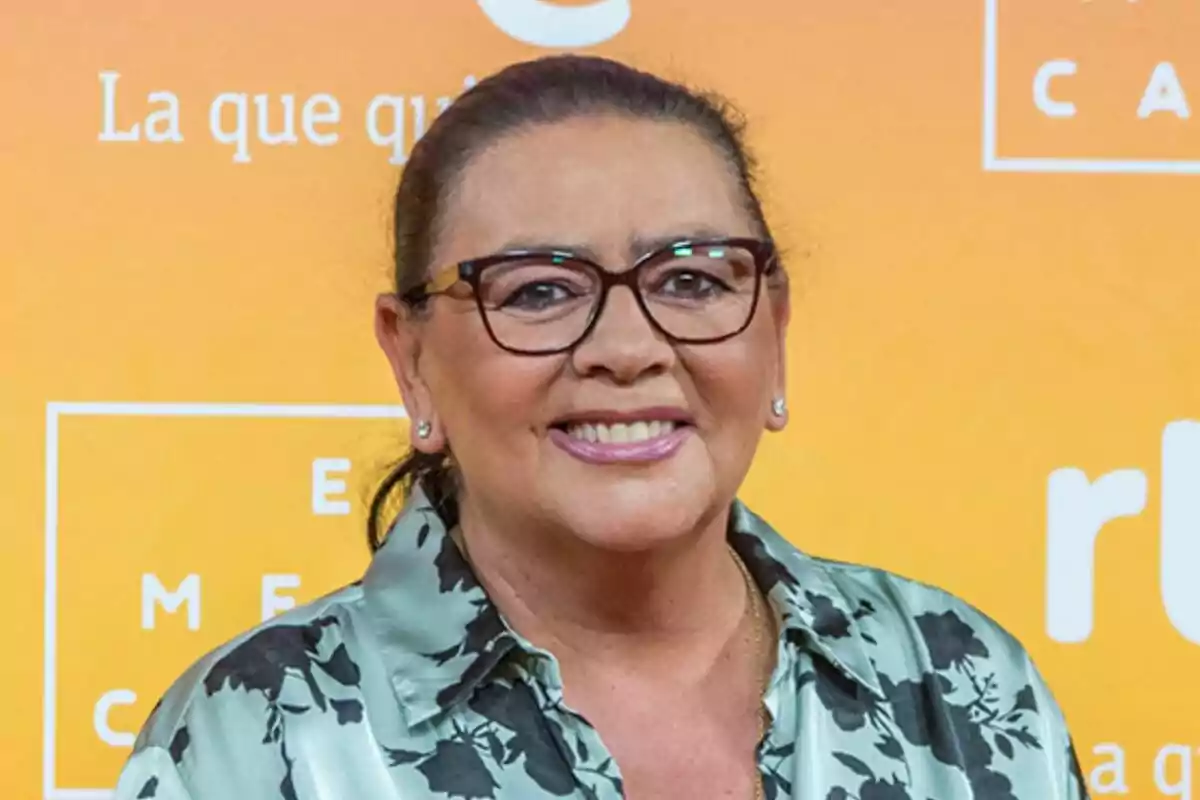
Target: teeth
(620,432)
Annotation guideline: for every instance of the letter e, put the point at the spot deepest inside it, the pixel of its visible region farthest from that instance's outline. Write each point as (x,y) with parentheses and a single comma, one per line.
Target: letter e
(273,603)
(320,109)
(323,486)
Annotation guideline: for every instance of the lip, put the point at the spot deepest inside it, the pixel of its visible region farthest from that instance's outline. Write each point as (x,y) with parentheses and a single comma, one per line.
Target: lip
(649,451)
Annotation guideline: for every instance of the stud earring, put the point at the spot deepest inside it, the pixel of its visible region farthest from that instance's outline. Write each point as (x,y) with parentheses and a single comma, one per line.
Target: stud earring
(778,407)
(424,430)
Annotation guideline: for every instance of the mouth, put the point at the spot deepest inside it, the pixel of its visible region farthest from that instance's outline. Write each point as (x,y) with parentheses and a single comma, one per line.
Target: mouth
(605,437)
(620,432)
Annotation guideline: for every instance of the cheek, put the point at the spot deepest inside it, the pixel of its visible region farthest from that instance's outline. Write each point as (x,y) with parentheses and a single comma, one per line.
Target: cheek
(481,391)
(734,380)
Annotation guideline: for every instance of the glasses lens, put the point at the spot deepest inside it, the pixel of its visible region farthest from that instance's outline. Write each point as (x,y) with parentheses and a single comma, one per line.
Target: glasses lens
(699,293)
(540,303)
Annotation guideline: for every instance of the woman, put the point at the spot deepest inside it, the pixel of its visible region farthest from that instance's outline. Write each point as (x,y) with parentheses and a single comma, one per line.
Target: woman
(588,333)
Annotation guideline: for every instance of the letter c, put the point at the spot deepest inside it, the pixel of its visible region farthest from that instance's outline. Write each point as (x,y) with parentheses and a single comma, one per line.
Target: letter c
(117,697)
(1041,88)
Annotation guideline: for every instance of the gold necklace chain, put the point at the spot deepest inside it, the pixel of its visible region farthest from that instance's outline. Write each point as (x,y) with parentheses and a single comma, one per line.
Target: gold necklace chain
(759,626)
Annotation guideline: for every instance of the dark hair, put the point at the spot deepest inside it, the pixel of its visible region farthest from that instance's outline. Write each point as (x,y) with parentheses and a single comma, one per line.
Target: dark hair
(544,90)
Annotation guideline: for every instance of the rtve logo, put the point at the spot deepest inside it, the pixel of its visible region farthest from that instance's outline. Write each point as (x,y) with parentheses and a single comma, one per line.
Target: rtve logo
(1079,509)
(546,24)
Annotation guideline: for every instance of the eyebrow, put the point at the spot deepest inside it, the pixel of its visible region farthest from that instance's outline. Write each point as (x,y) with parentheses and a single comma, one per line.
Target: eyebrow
(638,245)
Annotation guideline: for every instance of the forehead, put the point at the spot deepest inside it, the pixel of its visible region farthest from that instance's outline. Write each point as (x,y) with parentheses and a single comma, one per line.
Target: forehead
(597,182)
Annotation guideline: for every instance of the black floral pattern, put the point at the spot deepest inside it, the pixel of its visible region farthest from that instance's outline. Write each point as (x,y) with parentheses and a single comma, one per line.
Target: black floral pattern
(951,642)
(535,738)
(954,712)
(454,768)
(772,763)
(266,660)
(513,729)
(895,692)
(487,641)
(828,619)
(179,744)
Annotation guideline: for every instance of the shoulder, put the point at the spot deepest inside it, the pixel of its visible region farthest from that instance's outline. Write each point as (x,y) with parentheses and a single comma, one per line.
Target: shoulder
(231,697)
(943,663)
(943,628)
(905,625)
(960,686)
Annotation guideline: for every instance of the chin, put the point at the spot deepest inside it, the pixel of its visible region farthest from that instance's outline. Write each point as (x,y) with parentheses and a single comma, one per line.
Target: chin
(630,515)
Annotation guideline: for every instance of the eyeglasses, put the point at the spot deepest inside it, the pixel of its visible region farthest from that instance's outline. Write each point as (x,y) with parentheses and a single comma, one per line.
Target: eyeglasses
(542,302)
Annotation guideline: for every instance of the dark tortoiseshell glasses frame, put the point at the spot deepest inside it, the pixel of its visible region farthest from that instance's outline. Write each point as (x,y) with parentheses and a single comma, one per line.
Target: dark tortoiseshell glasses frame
(471,273)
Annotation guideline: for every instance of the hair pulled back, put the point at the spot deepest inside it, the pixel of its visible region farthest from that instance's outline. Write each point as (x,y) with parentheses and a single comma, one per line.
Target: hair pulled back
(545,90)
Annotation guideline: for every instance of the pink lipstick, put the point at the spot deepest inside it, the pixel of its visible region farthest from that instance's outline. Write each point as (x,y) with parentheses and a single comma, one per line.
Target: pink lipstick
(643,436)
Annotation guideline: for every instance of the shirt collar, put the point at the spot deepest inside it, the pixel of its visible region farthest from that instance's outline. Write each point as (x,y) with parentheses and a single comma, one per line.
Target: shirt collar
(814,612)
(439,636)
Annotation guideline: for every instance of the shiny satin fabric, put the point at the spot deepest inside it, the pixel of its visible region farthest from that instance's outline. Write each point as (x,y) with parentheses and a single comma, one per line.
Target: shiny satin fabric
(409,684)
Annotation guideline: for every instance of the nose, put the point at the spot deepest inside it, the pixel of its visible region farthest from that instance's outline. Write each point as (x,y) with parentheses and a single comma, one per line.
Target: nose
(623,346)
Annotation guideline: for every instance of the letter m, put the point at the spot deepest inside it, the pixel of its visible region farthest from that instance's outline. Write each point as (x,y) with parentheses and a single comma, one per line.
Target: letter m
(154,593)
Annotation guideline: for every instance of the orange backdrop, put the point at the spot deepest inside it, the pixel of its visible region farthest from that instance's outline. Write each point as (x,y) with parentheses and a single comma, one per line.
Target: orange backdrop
(991,210)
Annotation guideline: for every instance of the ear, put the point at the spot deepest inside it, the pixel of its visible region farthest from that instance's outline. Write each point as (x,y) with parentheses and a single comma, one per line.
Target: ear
(781,314)
(399,335)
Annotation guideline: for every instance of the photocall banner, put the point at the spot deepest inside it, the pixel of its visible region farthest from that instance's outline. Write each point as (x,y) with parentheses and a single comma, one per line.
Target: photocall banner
(989,209)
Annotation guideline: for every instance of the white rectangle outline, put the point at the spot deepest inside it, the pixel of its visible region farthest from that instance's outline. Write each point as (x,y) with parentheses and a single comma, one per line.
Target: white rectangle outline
(55,410)
(994,163)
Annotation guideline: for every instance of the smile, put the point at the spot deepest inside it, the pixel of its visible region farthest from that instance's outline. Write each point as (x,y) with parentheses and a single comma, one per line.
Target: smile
(621,432)
(627,438)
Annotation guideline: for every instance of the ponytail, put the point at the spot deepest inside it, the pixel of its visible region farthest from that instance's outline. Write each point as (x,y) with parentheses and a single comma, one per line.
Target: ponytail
(432,472)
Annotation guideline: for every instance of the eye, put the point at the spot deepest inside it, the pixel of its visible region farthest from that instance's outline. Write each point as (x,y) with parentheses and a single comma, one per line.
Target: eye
(537,296)
(690,284)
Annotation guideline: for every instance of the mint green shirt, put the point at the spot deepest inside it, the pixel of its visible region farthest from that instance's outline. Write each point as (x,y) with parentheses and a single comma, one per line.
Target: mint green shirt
(409,684)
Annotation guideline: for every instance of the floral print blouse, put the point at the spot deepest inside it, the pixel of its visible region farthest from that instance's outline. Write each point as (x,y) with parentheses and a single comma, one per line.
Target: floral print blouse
(409,684)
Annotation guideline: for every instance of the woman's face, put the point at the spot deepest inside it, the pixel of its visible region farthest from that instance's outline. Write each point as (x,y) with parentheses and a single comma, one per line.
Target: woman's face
(603,186)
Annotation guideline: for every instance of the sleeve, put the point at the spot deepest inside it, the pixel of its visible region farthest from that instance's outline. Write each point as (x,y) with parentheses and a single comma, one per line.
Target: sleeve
(200,747)
(150,774)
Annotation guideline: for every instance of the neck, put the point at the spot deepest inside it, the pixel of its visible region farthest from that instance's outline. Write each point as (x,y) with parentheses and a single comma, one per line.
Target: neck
(665,611)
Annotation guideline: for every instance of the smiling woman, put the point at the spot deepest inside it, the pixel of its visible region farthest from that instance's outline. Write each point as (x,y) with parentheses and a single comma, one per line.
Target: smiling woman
(588,330)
